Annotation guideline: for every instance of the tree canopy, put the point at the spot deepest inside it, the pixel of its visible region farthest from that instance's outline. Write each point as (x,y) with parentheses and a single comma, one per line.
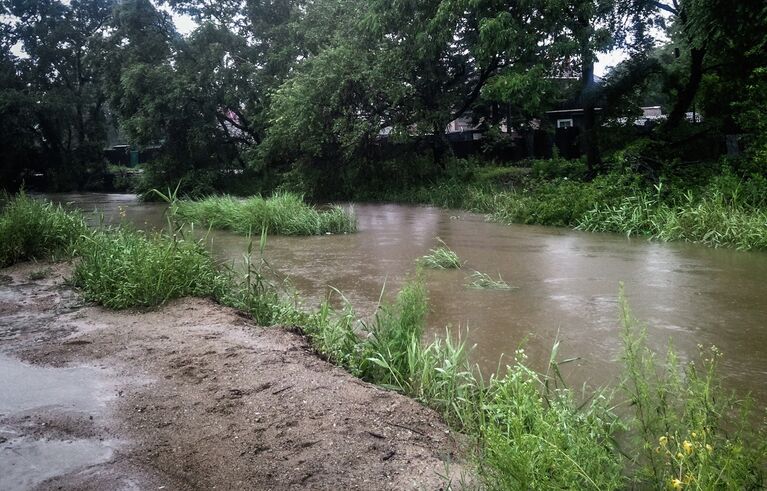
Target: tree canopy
(310,87)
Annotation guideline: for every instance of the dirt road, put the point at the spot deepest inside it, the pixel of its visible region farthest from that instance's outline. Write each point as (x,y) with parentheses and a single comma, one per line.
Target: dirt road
(191,396)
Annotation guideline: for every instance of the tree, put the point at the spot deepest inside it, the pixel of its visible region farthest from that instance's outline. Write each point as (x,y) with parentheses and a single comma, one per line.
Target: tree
(63,45)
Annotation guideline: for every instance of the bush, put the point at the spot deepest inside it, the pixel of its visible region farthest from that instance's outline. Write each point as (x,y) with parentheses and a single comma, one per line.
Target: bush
(35,229)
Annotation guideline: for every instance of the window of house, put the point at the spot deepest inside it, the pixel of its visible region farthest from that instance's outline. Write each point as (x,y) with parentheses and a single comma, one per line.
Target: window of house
(564,123)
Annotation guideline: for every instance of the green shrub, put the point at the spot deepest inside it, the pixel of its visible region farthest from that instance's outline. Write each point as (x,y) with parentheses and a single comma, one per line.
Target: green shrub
(558,168)
(36,229)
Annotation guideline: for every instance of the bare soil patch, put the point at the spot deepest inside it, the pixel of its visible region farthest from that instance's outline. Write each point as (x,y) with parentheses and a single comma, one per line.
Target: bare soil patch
(197,397)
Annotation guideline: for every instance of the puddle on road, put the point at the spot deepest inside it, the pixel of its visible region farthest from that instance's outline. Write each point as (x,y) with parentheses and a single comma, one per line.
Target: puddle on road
(25,387)
(27,390)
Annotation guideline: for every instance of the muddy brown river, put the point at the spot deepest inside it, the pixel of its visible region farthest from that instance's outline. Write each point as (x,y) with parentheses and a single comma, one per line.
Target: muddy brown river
(566,283)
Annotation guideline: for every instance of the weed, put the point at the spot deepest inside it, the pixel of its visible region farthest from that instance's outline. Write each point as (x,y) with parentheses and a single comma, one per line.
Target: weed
(441,257)
(690,433)
(252,292)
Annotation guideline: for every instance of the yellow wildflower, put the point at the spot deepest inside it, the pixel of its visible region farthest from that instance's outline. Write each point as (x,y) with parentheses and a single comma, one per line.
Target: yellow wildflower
(677,484)
(709,448)
(694,435)
(663,441)
(679,455)
(688,448)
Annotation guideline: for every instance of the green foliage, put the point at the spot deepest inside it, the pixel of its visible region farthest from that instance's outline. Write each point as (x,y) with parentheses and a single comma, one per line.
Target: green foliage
(252,292)
(690,432)
(36,229)
(717,218)
(441,257)
(559,168)
(530,430)
(283,214)
(123,269)
(538,438)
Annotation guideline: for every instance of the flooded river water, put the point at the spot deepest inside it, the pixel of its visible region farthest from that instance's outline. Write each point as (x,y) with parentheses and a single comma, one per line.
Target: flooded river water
(567,285)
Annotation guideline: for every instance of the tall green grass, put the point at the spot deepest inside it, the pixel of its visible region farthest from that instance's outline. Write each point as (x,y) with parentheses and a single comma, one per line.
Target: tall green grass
(531,431)
(725,212)
(36,229)
(282,214)
(121,268)
(710,220)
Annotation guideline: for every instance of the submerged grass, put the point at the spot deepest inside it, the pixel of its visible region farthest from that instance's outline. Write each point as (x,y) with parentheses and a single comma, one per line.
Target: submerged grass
(282,214)
(483,281)
(441,257)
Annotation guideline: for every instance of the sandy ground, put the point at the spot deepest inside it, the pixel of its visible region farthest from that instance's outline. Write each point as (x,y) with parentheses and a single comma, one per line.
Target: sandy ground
(191,396)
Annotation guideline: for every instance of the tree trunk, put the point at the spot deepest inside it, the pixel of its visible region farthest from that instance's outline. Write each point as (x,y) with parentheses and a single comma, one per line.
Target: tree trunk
(689,91)
(589,140)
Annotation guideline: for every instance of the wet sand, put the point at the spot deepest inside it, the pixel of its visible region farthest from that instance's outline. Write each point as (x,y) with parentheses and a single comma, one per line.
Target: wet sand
(191,396)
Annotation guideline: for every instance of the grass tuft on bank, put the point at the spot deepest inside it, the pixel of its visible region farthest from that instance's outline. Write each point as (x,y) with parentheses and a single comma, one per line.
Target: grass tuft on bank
(281,214)
(121,269)
(36,229)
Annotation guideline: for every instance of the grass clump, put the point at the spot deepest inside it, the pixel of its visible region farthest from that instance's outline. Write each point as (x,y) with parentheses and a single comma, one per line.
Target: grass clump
(252,291)
(122,268)
(36,229)
(536,437)
(441,257)
(483,281)
(282,214)
(715,220)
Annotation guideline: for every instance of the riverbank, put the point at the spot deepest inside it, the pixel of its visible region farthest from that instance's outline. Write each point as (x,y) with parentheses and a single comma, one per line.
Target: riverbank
(724,207)
(195,396)
(522,423)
